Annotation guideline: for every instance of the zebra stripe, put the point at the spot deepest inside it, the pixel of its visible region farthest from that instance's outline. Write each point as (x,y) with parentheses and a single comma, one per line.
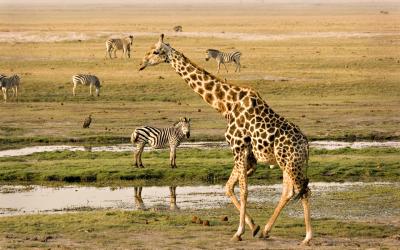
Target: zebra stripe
(223,57)
(160,138)
(90,80)
(124,44)
(7,83)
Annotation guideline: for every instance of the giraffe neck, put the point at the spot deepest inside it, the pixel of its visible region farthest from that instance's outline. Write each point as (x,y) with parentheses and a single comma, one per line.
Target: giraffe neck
(217,93)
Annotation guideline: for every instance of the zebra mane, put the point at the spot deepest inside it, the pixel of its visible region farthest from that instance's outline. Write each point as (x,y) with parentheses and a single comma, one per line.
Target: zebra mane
(213,52)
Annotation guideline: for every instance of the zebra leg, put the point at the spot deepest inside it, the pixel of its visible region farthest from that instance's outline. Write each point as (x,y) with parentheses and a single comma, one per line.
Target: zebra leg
(138,198)
(73,90)
(90,90)
(4,90)
(172,156)
(97,92)
(225,67)
(219,66)
(237,67)
(138,155)
(115,53)
(172,197)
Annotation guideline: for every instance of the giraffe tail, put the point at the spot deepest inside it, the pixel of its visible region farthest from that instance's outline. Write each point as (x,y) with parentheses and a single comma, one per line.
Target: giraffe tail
(304,190)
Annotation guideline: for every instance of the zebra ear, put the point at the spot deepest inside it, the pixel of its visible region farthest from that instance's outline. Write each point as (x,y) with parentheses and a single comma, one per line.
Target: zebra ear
(162,38)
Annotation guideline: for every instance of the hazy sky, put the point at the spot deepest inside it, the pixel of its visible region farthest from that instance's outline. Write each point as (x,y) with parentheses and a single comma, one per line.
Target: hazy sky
(155,2)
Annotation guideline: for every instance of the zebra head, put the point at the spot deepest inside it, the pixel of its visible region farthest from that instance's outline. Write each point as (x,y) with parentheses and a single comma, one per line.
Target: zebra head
(211,53)
(159,53)
(130,39)
(184,126)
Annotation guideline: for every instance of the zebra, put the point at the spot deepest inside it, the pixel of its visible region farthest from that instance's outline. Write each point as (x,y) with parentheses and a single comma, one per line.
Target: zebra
(178,28)
(123,44)
(86,80)
(160,138)
(222,57)
(7,83)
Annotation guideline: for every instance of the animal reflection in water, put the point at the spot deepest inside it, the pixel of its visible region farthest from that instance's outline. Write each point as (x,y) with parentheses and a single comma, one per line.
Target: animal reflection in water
(139,204)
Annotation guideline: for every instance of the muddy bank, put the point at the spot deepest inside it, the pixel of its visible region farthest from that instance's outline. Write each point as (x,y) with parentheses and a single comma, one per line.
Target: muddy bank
(329,198)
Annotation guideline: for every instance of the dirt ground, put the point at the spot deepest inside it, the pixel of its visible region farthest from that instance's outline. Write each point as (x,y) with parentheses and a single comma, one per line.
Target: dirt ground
(203,239)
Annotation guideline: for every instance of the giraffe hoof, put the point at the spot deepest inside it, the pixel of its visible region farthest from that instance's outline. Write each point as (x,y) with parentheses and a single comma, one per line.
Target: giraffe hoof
(305,243)
(264,236)
(236,238)
(255,231)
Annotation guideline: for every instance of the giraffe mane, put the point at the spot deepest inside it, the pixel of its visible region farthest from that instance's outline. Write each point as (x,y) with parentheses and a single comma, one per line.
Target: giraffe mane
(200,68)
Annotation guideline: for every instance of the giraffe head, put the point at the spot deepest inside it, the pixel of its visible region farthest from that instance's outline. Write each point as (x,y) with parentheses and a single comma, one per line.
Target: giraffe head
(184,125)
(157,54)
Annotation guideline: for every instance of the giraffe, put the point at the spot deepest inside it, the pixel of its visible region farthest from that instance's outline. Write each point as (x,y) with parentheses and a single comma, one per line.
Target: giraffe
(254,132)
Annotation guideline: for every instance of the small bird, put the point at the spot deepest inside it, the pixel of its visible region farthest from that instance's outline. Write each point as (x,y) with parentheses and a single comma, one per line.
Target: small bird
(87,121)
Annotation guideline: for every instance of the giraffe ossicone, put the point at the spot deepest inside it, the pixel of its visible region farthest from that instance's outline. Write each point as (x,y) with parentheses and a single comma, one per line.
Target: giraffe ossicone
(255,134)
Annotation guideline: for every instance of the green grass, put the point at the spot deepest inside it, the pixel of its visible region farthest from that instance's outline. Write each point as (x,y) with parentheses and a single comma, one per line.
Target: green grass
(194,166)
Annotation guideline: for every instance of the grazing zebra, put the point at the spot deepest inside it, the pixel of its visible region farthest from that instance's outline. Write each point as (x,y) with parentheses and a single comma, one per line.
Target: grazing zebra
(177,28)
(222,57)
(123,44)
(7,83)
(160,138)
(86,80)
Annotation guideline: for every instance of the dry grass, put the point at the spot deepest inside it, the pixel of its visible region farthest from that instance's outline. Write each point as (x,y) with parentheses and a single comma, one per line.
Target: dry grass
(338,87)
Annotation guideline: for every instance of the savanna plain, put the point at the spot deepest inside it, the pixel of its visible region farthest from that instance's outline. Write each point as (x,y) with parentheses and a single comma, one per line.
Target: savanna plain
(332,69)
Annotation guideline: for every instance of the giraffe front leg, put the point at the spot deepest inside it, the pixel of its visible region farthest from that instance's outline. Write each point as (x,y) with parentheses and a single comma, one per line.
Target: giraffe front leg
(243,205)
(230,185)
(287,194)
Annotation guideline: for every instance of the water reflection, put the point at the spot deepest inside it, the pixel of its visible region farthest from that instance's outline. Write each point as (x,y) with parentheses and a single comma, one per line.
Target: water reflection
(139,204)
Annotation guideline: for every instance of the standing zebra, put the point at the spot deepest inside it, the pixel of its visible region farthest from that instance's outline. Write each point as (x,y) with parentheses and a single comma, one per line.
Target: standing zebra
(7,83)
(222,57)
(86,80)
(160,138)
(178,28)
(123,44)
